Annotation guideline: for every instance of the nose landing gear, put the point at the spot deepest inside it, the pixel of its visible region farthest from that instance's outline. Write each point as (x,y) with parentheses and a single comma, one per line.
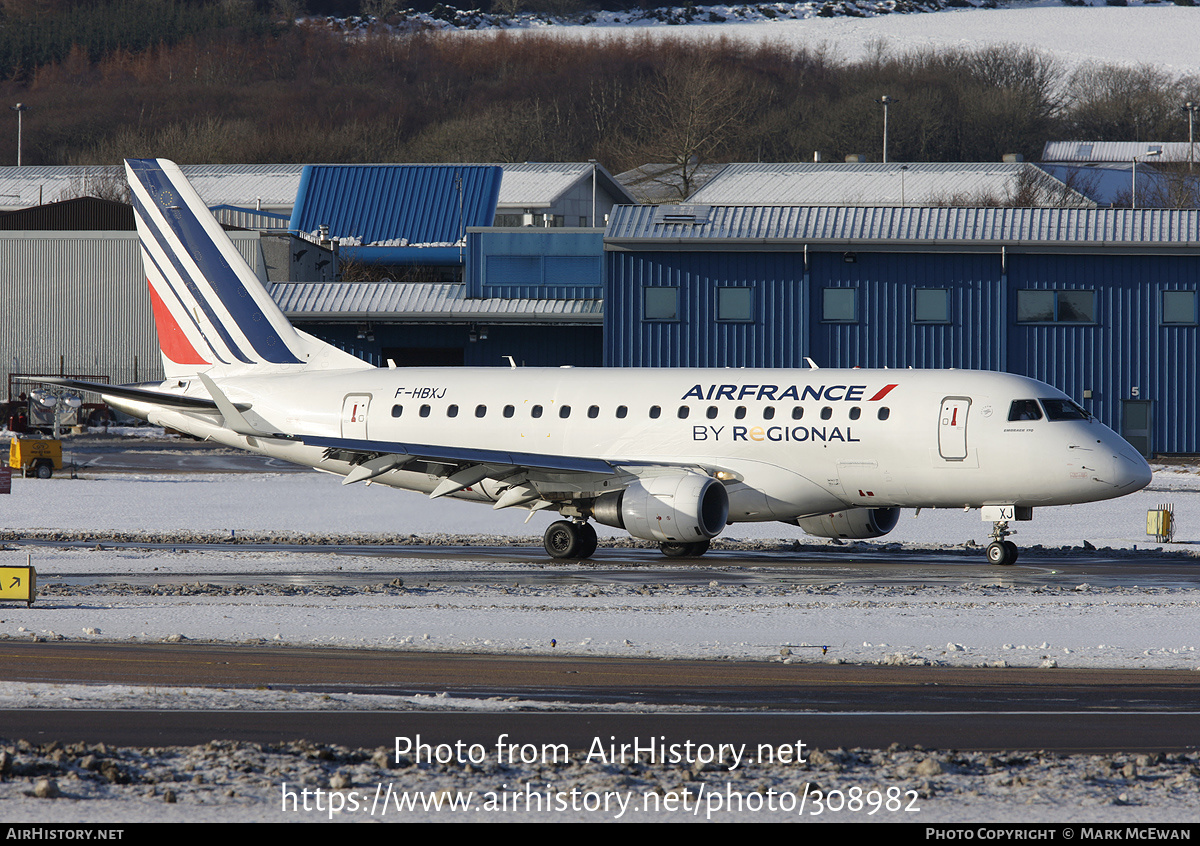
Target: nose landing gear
(1001,551)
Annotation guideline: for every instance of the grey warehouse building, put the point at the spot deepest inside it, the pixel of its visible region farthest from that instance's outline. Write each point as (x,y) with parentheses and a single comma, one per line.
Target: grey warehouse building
(1099,303)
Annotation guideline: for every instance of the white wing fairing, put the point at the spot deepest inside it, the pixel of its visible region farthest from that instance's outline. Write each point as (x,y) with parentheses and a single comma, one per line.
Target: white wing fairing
(671,456)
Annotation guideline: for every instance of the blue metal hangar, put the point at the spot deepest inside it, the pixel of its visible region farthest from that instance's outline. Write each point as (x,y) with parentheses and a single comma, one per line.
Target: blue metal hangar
(1100,303)
(456,264)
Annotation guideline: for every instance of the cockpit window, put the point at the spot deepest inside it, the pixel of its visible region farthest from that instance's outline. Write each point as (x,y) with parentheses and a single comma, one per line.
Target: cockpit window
(1062,409)
(1024,410)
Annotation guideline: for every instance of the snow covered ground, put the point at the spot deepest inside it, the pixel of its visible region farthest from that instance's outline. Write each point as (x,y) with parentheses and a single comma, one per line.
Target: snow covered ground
(976,615)
(970,614)
(1160,34)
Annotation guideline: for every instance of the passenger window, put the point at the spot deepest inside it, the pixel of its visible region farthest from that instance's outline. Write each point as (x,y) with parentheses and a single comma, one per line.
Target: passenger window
(884,413)
(622,411)
(769,413)
(739,413)
(826,413)
(712,412)
(424,411)
(397,410)
(509,411)
(593,411)
(855,413)
(1026,409)
(536,411)
(480,410)
(654,412)
(797,412)
(684,411)
(564,411)
(452,411)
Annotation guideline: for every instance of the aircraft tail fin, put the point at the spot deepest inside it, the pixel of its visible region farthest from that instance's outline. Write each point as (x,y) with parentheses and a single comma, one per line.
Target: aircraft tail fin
(210,309)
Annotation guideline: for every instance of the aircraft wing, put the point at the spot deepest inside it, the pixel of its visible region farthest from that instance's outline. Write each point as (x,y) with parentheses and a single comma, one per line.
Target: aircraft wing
(526,474)
(467,455)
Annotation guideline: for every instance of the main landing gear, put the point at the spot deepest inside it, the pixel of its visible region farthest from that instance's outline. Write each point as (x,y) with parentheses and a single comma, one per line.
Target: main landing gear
(1001,551)
(568,539)
(683,550)
(564,539)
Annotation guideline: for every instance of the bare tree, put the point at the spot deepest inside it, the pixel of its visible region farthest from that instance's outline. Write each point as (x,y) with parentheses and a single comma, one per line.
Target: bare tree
(687,113)
(102,183)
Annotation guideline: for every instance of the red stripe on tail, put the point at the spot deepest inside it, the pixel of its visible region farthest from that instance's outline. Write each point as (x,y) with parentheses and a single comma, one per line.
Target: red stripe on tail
(171,339)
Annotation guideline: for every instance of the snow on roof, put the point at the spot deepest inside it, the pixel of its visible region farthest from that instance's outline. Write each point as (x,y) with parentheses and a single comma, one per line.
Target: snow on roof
(891,184)
(1119,151)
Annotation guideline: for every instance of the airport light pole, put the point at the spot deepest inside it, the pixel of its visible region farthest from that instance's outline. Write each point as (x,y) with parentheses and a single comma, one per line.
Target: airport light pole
(19,108)
(887,101)
(1191,109)
(1133,185)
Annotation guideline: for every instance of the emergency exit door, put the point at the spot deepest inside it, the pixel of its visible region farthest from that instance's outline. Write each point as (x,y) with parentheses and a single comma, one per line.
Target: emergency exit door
(952,428)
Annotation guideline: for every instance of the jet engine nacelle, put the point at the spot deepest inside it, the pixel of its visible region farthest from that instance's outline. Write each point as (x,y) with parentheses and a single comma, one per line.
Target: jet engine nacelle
(674,507)
(853,523)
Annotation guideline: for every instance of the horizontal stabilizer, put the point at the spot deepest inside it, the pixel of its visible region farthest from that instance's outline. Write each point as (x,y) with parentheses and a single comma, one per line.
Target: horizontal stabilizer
(137,394)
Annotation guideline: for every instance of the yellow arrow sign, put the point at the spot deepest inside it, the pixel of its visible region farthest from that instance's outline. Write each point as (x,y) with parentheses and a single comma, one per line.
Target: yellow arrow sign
(18,583)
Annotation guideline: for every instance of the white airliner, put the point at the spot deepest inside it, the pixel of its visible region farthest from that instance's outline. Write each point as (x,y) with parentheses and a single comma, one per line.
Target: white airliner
(671,456)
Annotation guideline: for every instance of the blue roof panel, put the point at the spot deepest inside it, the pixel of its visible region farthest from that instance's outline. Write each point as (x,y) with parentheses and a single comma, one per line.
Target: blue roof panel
(420,204)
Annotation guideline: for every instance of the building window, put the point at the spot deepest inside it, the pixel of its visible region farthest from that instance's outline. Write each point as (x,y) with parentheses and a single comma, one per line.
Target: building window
(1179,308)
(931,305)
(660,303)
(1056,306)
(839,305)
(735,304)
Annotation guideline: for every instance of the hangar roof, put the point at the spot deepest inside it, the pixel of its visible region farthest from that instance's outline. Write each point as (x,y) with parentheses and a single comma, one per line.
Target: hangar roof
(409,302)
(1117,151)
(654,227)
(891,184)
(541,184)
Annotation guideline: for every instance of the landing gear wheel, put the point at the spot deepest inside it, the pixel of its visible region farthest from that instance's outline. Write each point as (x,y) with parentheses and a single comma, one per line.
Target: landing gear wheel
(587,540)
(564,539)
(1002,553)
(683,550)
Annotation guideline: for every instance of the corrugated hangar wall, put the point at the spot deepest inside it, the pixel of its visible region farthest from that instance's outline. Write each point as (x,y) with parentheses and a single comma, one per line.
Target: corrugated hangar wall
(77,302)
(1128,353)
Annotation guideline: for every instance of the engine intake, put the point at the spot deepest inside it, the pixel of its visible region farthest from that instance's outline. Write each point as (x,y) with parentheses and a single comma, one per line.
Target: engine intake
(853,523)
(675,507)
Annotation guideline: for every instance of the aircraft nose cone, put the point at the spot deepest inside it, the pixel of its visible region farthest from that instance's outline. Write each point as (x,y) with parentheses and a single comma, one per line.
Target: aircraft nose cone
(1132,471)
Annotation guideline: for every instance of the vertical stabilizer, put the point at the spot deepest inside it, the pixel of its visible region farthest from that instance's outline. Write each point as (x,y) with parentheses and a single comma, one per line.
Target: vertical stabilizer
(212,313)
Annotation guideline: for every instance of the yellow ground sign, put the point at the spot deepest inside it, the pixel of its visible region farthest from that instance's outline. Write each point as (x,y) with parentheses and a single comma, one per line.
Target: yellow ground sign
(18,583)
